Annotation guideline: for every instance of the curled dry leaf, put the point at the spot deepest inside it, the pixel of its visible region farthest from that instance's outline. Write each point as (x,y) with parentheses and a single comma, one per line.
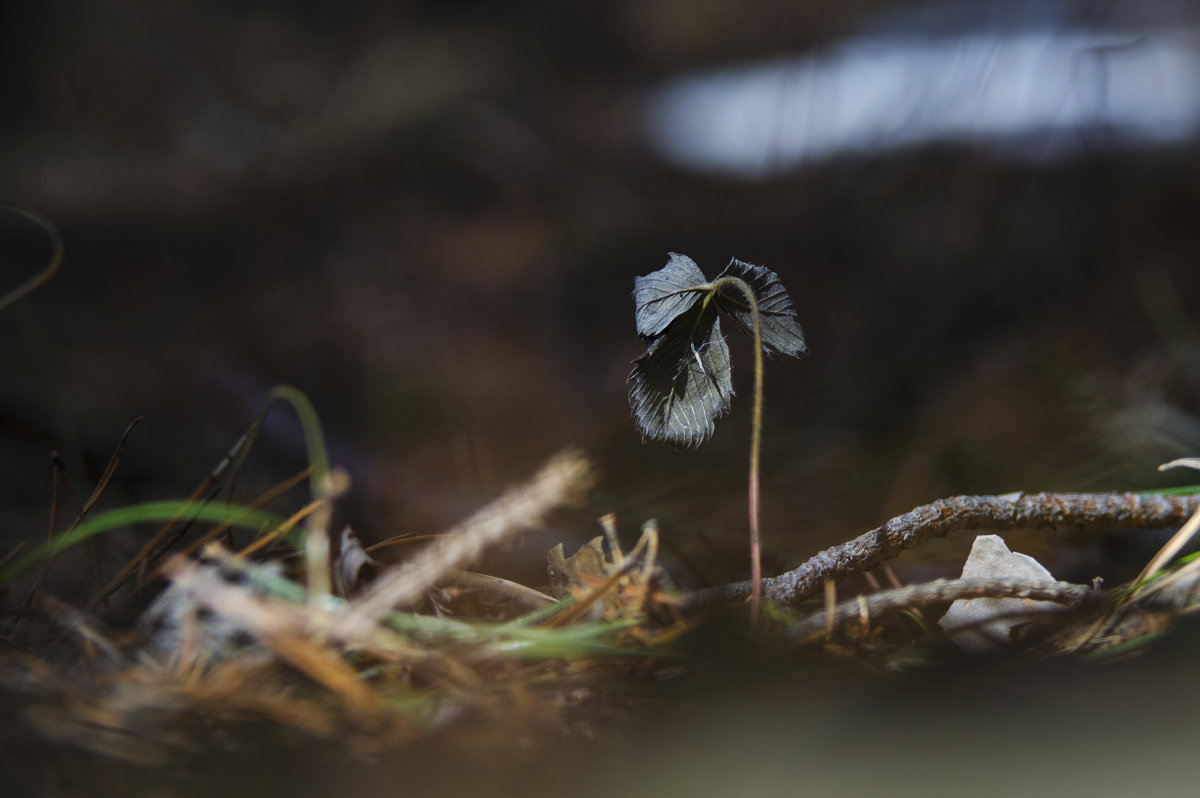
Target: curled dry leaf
(354,567)
(466,594)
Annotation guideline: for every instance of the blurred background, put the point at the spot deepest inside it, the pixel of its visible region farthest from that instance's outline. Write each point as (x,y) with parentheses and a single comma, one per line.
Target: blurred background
(429,216)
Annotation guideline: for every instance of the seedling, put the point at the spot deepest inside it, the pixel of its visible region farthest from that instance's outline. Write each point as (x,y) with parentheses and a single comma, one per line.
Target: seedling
(682,383)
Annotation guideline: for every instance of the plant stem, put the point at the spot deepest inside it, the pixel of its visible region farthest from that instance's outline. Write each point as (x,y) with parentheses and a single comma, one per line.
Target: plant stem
(52,262)
(755,443)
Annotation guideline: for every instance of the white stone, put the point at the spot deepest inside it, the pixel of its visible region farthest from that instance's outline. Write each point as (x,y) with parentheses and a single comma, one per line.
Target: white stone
(991,621)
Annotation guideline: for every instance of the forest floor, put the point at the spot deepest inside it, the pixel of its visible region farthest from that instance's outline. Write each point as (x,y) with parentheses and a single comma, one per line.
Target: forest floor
(289,658)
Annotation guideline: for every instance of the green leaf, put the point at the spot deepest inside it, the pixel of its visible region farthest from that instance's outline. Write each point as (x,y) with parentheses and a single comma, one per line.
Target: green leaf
(781,333)
(662,296)
(682,383)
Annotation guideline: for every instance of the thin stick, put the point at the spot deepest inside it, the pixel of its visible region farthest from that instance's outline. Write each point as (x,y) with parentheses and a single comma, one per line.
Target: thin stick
(937,591)
(831,606)
(1011,511)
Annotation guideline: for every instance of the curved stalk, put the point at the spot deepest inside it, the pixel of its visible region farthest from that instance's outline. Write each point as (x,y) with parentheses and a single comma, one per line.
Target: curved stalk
(52,263)
(755,442)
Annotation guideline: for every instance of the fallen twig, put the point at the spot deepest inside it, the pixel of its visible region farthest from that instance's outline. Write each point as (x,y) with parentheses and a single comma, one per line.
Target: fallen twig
(1011,511)
(939,590)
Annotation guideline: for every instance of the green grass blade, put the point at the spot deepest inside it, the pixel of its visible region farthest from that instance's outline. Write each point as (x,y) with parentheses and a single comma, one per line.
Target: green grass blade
(156,512)
(314,438)
(53,261)
(1182,490)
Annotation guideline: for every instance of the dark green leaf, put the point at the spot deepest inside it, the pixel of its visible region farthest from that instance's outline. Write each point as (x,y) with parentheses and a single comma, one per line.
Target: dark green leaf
(662,296)
(781,333)
(682,383)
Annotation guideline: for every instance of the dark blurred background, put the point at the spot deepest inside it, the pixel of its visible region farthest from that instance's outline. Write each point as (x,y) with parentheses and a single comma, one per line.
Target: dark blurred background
(429,216)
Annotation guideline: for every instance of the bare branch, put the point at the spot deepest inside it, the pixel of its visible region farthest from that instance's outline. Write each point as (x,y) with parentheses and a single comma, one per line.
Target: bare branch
(940,590)
(1011,511)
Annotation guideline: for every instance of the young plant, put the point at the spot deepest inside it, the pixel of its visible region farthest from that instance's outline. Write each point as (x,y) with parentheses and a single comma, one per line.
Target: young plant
(682,383)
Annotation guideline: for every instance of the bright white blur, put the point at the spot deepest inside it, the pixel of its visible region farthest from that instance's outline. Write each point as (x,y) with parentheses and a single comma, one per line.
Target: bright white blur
(1028,94)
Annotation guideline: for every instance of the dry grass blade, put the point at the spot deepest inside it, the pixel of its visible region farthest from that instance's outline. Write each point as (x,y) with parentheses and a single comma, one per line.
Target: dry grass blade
(82,626)
(1180,585)
(561,482)
(404,539)
(263,540)
(1172,548)
(109,469)
(1180,538)
(830,606)
(290,523)
(60,476)
(1177,590)
(12,553)
(608,522)
(143,556)
(166,536)
(650,562)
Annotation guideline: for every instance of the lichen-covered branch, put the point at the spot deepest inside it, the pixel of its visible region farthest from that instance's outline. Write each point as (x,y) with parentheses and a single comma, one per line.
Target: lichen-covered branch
(958,513)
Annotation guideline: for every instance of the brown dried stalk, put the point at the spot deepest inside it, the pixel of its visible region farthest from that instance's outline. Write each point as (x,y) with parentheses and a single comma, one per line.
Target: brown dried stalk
(561,482)
(937,591)
(1010,511)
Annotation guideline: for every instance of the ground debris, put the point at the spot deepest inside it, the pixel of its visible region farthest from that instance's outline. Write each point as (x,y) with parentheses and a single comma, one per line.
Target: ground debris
(234,641)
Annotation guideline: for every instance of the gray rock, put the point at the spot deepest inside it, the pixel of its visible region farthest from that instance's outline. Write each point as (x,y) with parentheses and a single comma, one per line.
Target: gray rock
(986,624)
